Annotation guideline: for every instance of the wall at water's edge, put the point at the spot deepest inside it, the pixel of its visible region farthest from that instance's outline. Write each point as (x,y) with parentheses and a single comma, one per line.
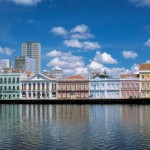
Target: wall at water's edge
(79,101)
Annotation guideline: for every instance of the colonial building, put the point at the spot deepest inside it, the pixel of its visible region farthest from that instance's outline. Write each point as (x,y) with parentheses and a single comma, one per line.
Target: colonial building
(10,85)
(39,86)
(144,72)
(104,87)
(73,87)
(130,87)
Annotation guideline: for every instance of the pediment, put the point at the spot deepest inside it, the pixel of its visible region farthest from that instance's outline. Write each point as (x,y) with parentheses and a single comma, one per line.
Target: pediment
(39,77)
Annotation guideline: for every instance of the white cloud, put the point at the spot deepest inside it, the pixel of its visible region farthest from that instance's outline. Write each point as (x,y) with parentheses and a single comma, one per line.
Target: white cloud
(63,59)
(54,53)
(140,3)
(104,58)
(80,29)
(85,45)
(73,43)
(147,43)
(26,2)
(6,51)
(135,69)
(81,36)
(59,31)
(129,54)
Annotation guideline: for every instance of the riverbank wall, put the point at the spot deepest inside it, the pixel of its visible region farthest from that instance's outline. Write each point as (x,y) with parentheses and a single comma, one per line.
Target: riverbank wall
(78,101)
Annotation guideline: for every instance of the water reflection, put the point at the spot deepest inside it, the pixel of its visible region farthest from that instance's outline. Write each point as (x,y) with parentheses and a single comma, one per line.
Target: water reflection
(74,127)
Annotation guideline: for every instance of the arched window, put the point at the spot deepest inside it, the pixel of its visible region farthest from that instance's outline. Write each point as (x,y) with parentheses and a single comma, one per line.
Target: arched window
(9,87)
(9,80)
(13,87)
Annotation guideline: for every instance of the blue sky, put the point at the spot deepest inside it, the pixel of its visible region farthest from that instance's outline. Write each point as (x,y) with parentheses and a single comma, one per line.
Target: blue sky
(79,36)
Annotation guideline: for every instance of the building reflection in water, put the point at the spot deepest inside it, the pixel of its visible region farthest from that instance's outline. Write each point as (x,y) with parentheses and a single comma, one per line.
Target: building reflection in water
(39,124)
(78,126)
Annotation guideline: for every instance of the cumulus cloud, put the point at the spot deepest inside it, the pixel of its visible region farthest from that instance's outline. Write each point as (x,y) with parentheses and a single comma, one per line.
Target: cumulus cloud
(66,60)
(147,43)
(104,58)
(129,54)
(70,63)
(140,3)
(6,51)
(25,2)
(80,28)
(74,43)
(59,31)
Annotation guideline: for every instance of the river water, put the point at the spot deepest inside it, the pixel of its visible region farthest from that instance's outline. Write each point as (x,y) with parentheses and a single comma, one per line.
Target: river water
(72,127)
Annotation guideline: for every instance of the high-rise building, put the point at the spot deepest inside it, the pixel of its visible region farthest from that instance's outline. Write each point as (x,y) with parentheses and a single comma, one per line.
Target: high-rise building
(5,63)
(33,50)
(25,63)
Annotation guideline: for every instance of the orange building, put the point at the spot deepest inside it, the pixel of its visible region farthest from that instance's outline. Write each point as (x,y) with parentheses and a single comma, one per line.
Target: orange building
(73,87)
(144,71)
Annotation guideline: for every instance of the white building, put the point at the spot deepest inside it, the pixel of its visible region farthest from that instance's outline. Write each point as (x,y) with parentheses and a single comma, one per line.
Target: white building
(5,63)
(33,50)
(104,87)
(25,63)
(39,86)
(55,73)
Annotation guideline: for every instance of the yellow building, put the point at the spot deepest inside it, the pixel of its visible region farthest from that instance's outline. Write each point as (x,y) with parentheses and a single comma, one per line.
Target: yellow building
(144,71)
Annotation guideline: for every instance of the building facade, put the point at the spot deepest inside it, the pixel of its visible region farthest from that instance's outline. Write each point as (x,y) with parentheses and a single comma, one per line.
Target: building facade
(144,73)
(104,88)
(10,85)
(25,63)
(130,86)
(55,73)
(5,63)
(73,87)
(39,86)
(33,50)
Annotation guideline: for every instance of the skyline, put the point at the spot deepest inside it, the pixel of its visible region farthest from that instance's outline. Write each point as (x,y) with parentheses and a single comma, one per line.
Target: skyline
(79,36)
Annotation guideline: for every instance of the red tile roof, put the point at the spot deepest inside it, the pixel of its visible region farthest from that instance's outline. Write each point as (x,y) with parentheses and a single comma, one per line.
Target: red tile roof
(76,77)
(128,75)
(144,67)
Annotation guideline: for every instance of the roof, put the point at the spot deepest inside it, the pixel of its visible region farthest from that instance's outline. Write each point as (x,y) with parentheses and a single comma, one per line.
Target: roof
(144,67)
(122,76)
(76,77)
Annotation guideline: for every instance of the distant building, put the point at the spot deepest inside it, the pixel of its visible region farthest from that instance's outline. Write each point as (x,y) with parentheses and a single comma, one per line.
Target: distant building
(25,63)
(5,63)
(73,87)
(144,72)
(130,87)
(33,50)
(55,73)
(39,86)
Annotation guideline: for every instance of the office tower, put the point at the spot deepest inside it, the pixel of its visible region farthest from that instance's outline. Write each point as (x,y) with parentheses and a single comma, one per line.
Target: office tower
(25,63)
(5,63)
(33,50)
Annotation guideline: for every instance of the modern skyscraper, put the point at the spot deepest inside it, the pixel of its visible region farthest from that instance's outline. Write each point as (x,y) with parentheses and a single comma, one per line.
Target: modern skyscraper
(33,50)
(5,63)
(25,63)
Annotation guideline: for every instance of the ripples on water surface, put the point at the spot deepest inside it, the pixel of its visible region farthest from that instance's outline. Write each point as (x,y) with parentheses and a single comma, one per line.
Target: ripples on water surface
(85,127)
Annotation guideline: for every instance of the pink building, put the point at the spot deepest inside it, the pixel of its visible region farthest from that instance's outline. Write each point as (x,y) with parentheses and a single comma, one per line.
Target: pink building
(130,85)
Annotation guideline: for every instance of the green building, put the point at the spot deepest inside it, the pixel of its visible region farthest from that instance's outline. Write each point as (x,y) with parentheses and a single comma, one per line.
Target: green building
(10,85)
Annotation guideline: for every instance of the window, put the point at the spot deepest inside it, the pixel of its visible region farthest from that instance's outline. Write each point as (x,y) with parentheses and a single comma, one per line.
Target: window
(33,94)
(9,87)
(29,94)
(13,79)
(13,87)
(17,87)
(142,76)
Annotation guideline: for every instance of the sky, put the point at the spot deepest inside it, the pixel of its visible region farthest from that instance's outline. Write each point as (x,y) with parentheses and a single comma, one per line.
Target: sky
(79,36)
